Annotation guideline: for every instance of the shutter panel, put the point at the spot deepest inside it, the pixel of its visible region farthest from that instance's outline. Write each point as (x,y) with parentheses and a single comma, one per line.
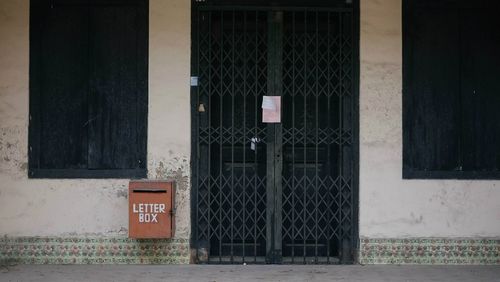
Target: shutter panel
(63,69)
(113,135)
(480,72)
(431,115)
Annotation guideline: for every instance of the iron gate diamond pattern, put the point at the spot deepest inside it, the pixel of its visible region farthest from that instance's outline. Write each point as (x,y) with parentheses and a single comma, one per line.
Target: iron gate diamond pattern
(231,187)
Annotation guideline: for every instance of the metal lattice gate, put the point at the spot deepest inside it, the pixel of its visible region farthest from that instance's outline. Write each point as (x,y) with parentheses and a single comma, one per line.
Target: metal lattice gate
(290,196)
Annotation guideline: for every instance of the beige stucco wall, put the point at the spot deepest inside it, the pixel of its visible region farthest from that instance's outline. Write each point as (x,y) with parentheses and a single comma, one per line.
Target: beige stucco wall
(31,207)
(389,206)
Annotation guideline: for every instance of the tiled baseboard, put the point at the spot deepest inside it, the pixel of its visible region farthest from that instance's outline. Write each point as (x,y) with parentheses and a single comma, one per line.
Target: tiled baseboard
(102,250)
(105,250)
(430,251)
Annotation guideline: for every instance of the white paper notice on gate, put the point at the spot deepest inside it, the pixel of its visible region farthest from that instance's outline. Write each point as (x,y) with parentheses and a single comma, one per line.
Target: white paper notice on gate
(271,109)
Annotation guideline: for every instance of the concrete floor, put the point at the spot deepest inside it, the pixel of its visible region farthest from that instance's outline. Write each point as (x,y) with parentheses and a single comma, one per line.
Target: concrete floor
(198,273)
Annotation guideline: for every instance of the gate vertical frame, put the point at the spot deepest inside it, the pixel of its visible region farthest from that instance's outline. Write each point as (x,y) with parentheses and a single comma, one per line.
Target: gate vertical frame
(356,30)
(274,148)
(195,149)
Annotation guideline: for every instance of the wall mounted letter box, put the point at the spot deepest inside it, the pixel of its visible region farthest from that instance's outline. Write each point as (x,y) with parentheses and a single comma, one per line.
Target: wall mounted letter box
(151,209)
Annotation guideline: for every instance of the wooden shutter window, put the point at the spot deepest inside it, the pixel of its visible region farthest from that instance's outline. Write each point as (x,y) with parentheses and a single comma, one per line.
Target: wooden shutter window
(88,89)
(451,95)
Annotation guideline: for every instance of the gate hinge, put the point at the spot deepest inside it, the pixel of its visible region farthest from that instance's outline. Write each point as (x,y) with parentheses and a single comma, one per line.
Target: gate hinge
(194,81)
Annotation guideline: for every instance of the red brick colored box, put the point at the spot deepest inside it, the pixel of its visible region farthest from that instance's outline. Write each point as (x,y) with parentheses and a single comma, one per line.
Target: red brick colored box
(151,209)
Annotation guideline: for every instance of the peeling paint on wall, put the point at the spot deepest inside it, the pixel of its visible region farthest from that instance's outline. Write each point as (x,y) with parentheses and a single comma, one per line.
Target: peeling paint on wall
(389,206)
(176,169)
(93,207)
(13,152)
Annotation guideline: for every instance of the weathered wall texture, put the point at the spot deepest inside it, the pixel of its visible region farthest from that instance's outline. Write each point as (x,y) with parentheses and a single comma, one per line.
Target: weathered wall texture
(169,130)
(391,207)
(78,208)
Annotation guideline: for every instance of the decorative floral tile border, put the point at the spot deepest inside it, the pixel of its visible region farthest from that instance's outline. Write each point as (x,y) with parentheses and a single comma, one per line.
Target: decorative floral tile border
(102,250)
(430,251)
(105,250)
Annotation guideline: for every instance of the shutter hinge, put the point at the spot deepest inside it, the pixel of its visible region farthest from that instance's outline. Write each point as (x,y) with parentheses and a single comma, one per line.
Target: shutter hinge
(194,81)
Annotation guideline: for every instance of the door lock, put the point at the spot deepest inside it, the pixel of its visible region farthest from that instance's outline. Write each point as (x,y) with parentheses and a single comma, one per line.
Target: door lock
(253,143)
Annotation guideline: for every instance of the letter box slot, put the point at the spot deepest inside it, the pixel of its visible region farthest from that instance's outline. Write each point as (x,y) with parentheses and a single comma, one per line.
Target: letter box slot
(149,191)
(151,209)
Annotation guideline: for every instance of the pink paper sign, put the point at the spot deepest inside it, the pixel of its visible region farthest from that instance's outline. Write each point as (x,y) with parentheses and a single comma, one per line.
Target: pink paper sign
(271,109)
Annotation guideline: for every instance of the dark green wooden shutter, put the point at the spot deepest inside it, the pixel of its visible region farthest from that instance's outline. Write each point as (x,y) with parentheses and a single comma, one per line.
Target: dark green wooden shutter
(451,95)
(88,88)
